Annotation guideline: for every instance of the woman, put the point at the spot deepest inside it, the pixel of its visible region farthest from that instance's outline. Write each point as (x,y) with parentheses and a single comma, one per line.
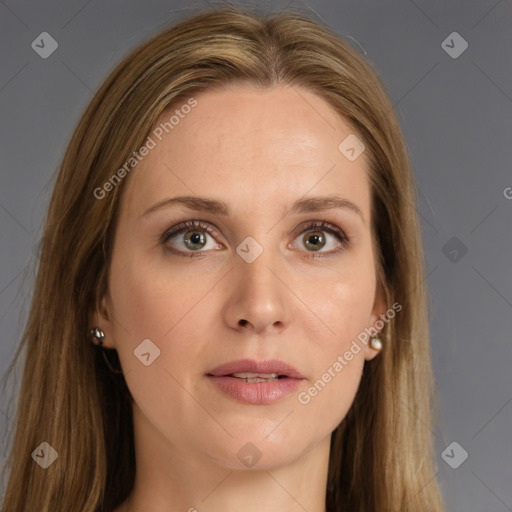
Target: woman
(229,310)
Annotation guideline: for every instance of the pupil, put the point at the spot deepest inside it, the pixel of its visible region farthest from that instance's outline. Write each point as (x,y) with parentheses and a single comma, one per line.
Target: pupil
(315,241)
(194,239)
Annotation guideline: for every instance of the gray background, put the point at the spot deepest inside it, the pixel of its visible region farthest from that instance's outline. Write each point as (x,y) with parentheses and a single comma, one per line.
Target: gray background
(455,114)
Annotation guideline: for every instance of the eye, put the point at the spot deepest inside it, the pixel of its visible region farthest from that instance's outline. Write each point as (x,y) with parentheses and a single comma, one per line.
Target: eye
(187,238)
(313,238)
(192,236)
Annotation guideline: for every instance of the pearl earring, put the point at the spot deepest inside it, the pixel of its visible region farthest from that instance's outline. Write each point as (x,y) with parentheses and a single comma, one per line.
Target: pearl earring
(376,341)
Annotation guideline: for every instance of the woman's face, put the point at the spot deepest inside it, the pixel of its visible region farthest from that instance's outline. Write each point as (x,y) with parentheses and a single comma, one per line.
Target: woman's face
(253,282)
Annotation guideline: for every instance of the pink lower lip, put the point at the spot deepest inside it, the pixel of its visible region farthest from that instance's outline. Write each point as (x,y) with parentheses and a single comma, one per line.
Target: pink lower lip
(256,393)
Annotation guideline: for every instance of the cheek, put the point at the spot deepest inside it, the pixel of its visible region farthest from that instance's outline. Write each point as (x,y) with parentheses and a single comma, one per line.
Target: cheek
(339,356)
(331,394)
(168,306)
(345,307)
(151,302)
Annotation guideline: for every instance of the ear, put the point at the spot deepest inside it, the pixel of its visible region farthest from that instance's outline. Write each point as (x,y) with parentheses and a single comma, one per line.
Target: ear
(102,318)
(378,312)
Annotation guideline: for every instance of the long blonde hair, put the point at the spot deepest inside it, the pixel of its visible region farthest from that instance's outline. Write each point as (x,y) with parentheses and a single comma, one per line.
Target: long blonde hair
(382,452)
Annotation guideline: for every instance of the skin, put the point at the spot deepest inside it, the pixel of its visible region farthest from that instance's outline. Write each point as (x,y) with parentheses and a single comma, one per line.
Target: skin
(258,151)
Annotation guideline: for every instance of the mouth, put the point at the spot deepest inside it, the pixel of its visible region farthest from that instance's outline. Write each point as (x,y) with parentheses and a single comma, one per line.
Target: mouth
(256,382)
(256,377)
(252,369)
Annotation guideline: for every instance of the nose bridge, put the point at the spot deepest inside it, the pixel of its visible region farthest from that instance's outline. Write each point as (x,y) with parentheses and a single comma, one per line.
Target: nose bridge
(255,259)
(258,295)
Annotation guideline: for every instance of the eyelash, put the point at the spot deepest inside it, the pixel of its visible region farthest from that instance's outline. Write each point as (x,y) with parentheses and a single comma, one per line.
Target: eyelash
(199,225)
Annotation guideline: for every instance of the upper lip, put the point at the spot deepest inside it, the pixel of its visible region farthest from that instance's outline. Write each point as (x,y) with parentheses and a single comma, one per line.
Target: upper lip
(253,366)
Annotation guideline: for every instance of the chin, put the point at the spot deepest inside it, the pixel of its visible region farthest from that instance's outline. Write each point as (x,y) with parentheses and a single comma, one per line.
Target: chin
(256,452)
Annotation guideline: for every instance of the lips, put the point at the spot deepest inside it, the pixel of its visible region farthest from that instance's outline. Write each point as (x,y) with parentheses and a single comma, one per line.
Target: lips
(264,369)
(256,382)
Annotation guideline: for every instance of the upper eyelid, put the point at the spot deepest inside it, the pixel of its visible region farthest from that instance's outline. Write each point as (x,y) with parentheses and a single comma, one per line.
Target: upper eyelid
(190,224)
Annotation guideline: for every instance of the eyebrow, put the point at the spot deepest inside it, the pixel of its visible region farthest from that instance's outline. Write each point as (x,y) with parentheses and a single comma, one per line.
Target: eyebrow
(305,205)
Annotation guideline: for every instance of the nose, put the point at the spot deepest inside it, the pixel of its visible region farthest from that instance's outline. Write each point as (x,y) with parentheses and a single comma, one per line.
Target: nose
(259,299)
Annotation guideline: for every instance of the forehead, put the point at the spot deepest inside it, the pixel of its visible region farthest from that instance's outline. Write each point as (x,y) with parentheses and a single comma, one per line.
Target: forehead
(248,147)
